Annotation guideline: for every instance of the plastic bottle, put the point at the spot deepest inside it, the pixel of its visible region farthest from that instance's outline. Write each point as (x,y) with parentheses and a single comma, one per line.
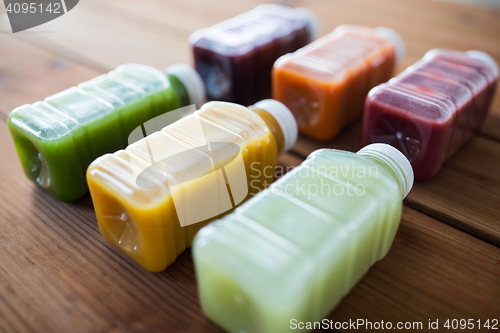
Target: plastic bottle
(430,109)
(151,198)
(58,138)
(325,83)
(235,57)
(294,250)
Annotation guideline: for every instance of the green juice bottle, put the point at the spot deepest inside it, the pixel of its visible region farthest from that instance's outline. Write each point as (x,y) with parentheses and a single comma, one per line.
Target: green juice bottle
(58,138)
(289,254)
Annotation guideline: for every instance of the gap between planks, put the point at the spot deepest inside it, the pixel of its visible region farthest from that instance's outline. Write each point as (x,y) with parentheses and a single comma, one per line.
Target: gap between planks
(52,79)
(59,272)
(159,27)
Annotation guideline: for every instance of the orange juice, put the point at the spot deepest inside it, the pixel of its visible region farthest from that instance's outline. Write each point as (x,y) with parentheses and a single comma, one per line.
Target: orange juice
(152,198)
(325,83)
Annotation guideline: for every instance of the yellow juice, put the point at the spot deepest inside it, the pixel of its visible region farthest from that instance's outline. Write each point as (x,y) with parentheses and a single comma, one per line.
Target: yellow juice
(151,198)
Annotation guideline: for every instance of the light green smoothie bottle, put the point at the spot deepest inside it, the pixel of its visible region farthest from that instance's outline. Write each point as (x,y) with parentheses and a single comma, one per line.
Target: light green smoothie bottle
(289,254)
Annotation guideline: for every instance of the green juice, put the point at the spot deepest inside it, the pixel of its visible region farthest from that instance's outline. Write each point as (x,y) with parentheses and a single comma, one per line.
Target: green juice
(294,250)
(58,138)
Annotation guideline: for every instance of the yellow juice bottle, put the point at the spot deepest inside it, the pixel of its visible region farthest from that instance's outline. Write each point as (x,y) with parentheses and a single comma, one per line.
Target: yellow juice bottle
(151,198)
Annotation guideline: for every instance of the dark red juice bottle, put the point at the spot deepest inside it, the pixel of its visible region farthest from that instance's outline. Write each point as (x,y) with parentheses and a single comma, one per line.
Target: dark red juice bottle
(235,57)
(430,109)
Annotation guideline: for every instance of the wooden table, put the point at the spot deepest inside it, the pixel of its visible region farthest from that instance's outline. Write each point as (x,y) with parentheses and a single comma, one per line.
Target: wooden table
(57,273)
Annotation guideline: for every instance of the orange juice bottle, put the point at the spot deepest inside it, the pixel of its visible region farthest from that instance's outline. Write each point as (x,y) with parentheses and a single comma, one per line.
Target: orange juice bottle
(151,198)
(325,83)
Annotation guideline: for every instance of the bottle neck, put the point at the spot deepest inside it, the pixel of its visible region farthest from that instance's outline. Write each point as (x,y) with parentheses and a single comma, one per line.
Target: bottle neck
(179,89)
(192,84)
(391,170)
(393,161)
(273,126)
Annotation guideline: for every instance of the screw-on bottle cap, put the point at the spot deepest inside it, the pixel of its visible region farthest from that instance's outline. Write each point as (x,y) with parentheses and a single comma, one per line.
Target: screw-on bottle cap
(191,81)
(311,21)
(485,58)
(395,39)
(285,119)
(395,160)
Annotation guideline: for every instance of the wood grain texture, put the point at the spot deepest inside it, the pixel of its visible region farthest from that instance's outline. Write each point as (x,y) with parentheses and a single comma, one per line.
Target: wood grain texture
(57,273)
(155,32)
(465,193)
(109,39)
(424,25)
(432,271)
(29,74)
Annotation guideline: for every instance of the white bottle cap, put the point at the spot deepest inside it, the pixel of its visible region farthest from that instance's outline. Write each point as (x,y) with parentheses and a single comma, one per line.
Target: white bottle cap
(191,81)
(485,58)
(285,119)
(395,160)
(395,38)
(311,20)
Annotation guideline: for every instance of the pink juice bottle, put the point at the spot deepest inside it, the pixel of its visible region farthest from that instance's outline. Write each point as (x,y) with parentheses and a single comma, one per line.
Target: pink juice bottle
(430,109)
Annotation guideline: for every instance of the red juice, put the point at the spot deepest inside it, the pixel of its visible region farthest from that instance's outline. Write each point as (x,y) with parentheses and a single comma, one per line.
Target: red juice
(430,109)
(235,57)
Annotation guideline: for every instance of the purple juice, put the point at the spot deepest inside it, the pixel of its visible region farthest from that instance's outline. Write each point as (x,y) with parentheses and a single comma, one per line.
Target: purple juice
(430,110)
(235,57)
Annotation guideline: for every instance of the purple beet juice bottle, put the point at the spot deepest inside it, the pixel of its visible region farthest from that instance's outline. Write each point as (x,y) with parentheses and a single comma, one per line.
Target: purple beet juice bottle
(235,57)
(430,109)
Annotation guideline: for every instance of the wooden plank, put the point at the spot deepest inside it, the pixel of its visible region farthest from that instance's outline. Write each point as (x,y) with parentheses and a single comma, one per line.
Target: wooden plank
(491,126)
(155,32)
(183,17)
(104,40)
(434,24)
(29,74)
(58,274)
(44,73)
(51,277)
(455,22)
(465,193)
(446,26)
(432,271)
